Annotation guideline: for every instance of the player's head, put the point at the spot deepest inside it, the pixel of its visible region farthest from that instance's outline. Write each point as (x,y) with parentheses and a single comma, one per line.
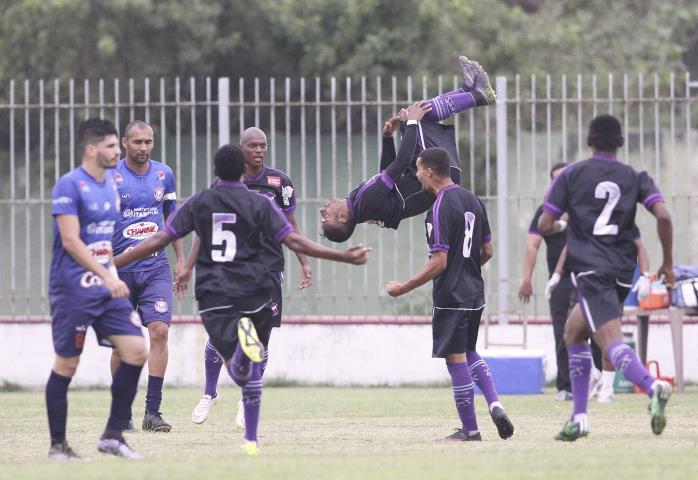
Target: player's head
(138,141)
(605,134)
(229,163)
(433,165)
(253,143)
(336,221)
(98,141)
(557,169)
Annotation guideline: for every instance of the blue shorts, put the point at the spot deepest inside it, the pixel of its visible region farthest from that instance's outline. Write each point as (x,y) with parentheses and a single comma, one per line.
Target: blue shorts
(151,293)
(71,316)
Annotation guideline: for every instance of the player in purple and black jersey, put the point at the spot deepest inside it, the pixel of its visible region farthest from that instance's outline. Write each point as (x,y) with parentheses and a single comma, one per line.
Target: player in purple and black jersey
(85,290)
(460,242)
(394,194)
(233,283)
(147,191)
(600,195)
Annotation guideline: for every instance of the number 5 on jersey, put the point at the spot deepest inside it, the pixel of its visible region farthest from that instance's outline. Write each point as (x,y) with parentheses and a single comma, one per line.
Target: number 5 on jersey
(221,236)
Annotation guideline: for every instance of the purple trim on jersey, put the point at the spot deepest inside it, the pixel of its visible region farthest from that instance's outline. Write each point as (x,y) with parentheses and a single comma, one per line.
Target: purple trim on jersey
(171,232)
(361,191)
(289,211)
(604,156)
(438,248)
(261,174)
(230,183)
(283,233)
(487,239)
(387,180)
(551,209)
(652,199)
(534,231)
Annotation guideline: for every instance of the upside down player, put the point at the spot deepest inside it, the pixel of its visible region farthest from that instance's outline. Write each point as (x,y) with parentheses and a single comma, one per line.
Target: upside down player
(600,194)
(233,285)
(85,290)
(460,242)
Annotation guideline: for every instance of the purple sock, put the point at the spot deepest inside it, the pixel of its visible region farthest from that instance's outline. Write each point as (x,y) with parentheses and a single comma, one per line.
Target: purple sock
(240,367)
(265,360)
(627,363)
(463,395)
(123,391)
(212,364)
(580,361)
(448,104)
(482,376)
(252,398)
(153,396)
(57,406)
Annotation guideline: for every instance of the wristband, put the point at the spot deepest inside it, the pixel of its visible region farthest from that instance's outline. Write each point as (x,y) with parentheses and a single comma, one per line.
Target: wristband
(412,122)
(113,271)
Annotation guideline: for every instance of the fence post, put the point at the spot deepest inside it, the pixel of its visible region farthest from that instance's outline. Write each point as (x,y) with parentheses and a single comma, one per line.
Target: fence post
(223,111)
(502,240)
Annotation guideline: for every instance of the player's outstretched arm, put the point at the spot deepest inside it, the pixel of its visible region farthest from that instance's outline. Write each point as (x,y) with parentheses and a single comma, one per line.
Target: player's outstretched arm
(415,112)
(356,255)
(306,269)
(147,247)
(388,151)
(181,280)
(665,231)
(434,266)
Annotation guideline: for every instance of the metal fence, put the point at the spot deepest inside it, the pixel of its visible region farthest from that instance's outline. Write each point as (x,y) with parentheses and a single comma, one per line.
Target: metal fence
(325,133)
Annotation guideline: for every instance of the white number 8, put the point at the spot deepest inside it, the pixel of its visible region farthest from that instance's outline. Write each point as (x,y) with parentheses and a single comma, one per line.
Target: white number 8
(468,238)
(219,236)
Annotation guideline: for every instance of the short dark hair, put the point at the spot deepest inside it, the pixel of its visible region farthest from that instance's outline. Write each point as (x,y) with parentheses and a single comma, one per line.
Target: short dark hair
(338,232)
(605,133)
(437,159)
(557,167)
(92,131)
(139,124)
(229,162)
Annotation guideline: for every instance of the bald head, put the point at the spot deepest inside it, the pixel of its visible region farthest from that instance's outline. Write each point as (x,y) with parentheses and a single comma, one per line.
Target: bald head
(252,133)
(253,143)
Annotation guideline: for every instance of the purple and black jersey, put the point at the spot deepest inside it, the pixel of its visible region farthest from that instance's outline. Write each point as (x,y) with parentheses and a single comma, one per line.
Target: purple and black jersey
(457,224)
(146,201)
(96,204)
(232,223)
(277,186)
(600,195)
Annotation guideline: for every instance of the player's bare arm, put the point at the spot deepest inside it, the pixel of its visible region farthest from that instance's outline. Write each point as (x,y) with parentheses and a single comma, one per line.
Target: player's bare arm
(666,237)
(431,269)
(486,253)
(532,245)
(181,281)
(147,247)
(307,279)
(356,255)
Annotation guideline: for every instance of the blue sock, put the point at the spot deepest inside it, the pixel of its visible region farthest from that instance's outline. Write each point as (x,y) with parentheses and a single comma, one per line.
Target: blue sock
(153,397)
(123,391)
(252,399)
(57,406)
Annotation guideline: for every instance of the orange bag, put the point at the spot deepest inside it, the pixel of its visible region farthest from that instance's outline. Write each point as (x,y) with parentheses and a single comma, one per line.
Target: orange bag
(659,296)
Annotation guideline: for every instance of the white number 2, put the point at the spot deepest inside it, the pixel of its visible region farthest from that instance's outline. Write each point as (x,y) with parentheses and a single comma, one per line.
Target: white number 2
(469,228)
(604,189)
(220,236)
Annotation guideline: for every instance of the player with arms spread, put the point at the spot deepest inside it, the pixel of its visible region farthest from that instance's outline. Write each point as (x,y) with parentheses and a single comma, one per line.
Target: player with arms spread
(460,242)
(600,195)
(85,291)
(233,284)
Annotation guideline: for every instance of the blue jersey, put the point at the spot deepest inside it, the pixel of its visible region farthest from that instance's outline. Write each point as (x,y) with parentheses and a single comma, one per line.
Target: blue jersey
(96,204)
(146,201)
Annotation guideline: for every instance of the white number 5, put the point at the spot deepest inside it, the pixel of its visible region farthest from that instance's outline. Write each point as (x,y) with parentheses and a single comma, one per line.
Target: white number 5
(468,238)
(602,227)
(220,236)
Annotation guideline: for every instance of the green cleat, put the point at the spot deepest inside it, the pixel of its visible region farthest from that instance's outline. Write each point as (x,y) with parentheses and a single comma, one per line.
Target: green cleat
(249,341)
(661,393)
(477,82)
(249,448)
(572,431)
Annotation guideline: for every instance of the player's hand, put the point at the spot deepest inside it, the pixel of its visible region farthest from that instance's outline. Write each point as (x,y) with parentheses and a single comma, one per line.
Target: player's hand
(525,291)
(402,115)
(417,110)
(667,273)
(181,283)
(391,125)
(116,286)
(552,283)
(307,277)
(357,255)
(394,288)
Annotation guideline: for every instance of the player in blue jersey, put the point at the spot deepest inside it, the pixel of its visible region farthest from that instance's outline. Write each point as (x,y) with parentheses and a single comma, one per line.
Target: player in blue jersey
(600,195)
(147,191)
(233,283)
(85,290)
(460,242)
(394,193)
(277,186)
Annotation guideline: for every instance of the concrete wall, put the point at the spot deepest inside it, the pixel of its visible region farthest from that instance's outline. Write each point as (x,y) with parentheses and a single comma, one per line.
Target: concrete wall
(338,355)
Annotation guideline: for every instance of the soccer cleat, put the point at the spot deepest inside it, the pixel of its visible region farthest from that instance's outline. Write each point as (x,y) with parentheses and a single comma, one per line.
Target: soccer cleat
(200,412)
(249,341)
(595,383)
(249,448)
(502,422)
(459,435)
(61,452)
(153,422)
(240,415)
(119,448)
(477,82)
(604,396)
(660,396)
(572,431)
(563,395)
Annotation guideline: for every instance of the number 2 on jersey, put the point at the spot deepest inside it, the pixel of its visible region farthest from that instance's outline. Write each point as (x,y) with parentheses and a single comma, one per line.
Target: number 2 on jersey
(602,227)
(468,238)
(220,236)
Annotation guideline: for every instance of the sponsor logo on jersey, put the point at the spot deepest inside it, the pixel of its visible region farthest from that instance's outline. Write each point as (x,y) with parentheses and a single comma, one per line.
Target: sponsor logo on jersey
(62,201)
(161,306)
(118,177)
(161,175)
(83,186)
(100,250)
(273,180)
(126,196)
(128,213)
(159,193)
(105,227)
(141,212)
(286,194)
(89,280)
(135,318)
(140,230)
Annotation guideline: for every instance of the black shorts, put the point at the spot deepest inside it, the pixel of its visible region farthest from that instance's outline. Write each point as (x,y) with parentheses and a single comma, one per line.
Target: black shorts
(221,322)
(601,296)
(277,298)
(454,331)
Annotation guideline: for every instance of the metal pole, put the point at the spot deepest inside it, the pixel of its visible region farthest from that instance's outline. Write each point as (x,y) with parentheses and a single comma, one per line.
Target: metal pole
(502,194)
(223,111)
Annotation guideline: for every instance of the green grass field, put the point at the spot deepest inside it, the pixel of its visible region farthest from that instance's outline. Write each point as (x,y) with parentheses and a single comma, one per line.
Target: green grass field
(361,433)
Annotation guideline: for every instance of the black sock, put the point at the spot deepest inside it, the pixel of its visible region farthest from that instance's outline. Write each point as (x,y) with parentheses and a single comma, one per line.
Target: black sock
(123,391)
(57,406)
(154,395)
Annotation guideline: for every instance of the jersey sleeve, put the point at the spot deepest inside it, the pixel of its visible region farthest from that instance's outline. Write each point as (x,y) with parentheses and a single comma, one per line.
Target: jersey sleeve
(272,220)
(288,196)
(181,222)
(486,230)
(387,152)
(404,156)
(66,198)
(170,199)
(556,199)
(648,193)
(437,238)
(533,227)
